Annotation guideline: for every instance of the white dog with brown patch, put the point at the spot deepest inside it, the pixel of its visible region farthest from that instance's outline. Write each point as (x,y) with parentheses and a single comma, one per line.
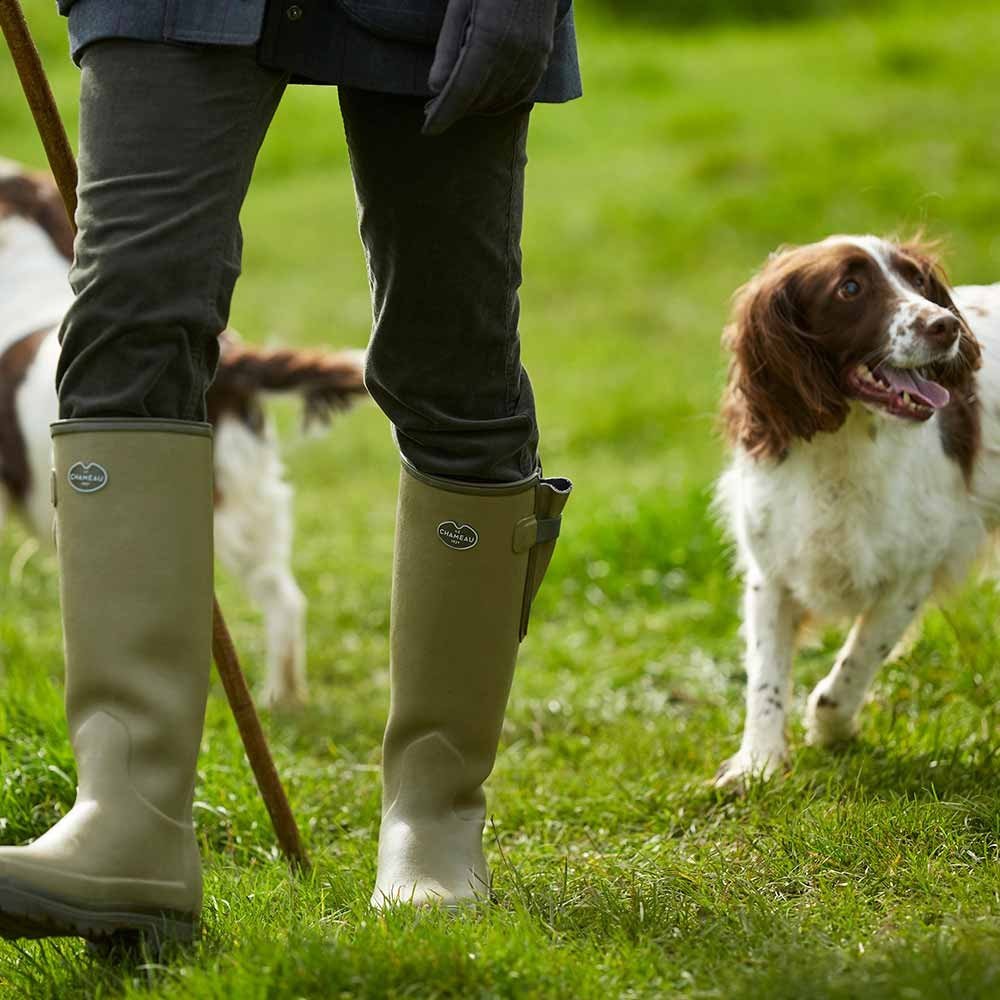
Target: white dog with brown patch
(253,500)
(865,423)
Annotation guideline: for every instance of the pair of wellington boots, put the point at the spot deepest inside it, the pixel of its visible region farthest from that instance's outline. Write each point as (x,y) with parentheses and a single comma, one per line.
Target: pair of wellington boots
(133,502)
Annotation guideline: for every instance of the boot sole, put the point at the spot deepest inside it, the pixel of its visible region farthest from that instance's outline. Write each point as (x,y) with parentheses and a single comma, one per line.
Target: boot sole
(27,913)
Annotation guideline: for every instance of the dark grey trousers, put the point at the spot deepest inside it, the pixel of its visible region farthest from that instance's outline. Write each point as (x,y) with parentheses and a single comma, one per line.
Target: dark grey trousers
(168,139)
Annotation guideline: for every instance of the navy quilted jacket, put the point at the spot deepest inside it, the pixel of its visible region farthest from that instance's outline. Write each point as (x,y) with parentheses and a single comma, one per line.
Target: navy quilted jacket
(384,45)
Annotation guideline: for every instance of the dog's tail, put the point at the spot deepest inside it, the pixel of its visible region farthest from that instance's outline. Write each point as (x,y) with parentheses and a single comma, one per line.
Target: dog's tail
(327,381)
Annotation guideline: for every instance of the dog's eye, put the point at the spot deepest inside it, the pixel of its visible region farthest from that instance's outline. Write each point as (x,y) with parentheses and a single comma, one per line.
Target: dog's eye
(849,289)
(919,281)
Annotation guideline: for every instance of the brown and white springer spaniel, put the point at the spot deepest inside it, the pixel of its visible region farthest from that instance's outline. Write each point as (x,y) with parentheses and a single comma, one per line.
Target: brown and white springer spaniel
(863,409)
(253,508)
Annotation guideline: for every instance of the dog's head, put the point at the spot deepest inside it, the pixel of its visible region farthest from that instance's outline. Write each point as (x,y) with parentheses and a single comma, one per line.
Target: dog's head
(34,196)
(850,320)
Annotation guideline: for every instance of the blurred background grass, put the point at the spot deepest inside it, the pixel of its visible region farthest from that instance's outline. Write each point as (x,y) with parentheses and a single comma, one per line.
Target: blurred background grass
(710,133)
(695,14)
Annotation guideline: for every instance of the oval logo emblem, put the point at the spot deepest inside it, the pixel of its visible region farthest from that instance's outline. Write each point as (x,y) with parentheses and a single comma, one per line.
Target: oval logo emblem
(457,536)
(87,477)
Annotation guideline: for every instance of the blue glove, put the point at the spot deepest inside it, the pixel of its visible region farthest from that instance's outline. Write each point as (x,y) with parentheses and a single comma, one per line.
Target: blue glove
(490,56)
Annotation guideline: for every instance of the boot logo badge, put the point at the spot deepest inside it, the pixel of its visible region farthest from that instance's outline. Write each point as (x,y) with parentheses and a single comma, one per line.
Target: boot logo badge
(458,536)
(87,477)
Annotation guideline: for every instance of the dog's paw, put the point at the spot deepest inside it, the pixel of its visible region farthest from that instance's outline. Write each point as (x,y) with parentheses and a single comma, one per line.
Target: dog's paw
(828,723)
(282,696)
(747,766)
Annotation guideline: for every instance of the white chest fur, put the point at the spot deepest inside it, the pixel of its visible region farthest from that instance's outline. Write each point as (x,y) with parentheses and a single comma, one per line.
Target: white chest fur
(847,514)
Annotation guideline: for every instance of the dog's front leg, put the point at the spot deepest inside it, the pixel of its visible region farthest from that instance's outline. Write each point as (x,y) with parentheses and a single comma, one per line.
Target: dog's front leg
(770,620)
(832,712)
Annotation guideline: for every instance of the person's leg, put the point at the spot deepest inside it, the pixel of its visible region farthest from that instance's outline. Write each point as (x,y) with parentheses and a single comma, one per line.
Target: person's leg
(168,140)
(441,225)
(441,222)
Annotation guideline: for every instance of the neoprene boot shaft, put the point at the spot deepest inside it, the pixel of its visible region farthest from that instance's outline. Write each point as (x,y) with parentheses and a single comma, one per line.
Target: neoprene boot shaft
(468,560)
(134,536)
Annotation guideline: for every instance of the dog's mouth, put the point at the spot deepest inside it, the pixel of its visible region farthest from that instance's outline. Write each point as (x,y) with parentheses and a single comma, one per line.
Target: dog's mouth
(903,392)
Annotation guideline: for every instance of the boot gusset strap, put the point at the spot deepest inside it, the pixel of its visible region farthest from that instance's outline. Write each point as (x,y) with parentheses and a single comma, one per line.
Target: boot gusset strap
(538,534)
(534,530)
(545,523)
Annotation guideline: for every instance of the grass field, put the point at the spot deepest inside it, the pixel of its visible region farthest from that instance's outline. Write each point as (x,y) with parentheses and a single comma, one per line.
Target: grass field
(872,873)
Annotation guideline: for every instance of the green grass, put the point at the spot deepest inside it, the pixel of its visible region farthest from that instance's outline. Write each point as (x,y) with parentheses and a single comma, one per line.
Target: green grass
(872,873)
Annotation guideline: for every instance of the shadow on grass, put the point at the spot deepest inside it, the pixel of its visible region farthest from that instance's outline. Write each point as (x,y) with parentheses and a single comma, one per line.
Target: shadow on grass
(882,772)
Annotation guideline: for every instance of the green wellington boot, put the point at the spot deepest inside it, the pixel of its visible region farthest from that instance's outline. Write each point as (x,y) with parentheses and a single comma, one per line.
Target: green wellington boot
(469,560)
(134,533)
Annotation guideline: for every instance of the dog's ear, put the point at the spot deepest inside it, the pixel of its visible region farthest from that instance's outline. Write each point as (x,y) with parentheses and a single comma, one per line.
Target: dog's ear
(781,385)
(926,254)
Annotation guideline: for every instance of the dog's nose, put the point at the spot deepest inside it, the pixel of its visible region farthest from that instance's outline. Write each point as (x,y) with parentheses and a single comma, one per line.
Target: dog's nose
(942,331)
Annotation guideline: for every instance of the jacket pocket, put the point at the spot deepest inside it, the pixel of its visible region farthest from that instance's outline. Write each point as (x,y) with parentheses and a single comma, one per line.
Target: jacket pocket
(415,21)
(221,22)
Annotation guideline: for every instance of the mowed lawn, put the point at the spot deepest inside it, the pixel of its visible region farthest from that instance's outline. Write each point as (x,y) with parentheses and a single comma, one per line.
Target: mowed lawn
(618,871)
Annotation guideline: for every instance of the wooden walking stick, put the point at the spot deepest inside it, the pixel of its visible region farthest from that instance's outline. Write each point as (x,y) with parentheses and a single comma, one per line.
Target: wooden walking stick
(44,110)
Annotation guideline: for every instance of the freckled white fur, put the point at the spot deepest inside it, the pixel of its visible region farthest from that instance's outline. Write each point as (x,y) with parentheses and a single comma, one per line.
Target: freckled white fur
(859,525)
(253,523)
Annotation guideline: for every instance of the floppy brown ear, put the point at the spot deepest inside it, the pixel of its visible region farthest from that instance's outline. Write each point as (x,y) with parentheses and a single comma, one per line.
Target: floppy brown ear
(938,290)
(781,385)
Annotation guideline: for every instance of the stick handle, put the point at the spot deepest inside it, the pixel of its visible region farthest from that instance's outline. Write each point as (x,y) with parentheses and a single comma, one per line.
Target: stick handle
(254,741)
(43,107)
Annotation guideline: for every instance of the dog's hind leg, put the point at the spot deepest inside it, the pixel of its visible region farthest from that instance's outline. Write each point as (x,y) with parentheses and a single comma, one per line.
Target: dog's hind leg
(770,621)
(832,711)
(253,537)
(273,588)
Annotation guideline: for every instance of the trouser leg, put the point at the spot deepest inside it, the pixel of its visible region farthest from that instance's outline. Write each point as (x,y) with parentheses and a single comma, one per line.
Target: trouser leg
(168,139)
(441,224)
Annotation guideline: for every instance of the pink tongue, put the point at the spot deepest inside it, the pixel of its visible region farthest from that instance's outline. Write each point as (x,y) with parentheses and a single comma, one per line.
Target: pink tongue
(921,390)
